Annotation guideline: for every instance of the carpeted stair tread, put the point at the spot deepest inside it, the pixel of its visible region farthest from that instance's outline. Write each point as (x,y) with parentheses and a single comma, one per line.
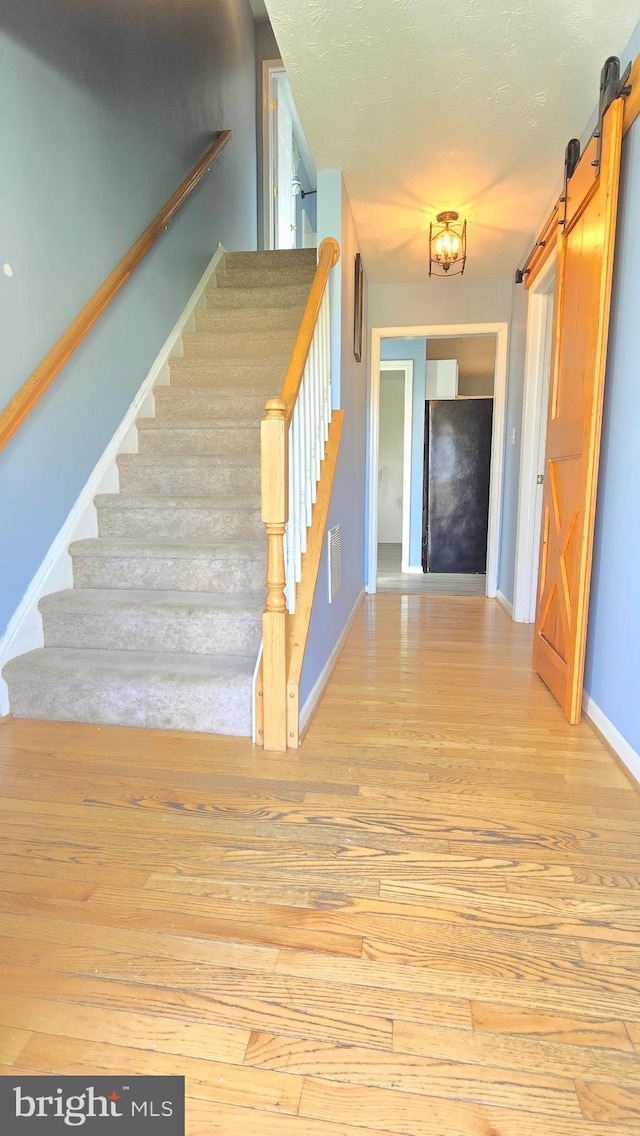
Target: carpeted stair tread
(256,277)
(155,690)
(184,403)
(86,599)
(187,436)
(206,623)
(255,320)
(241,373)
(161,424)
(271,258)
(186,516)
(125,546)
(126,501)
(175,474)
(246,343)
(195,461)
(276,295)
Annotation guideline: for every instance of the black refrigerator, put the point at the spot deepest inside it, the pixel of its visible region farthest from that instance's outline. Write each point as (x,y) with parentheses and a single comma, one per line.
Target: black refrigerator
(457,465)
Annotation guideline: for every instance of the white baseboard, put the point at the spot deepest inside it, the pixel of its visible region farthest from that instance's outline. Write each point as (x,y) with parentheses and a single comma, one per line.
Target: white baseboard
(317,690)
(505,603)
(619,744)
(24,632)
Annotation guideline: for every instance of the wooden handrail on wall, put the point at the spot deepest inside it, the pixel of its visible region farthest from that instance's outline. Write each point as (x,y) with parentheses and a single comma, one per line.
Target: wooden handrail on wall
(32,390)
(278,680)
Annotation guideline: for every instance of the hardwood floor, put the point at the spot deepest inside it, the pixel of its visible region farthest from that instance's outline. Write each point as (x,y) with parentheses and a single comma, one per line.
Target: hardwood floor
(391,578)
(425,922)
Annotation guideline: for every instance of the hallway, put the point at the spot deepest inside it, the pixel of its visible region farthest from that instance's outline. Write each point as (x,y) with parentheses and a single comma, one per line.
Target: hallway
(424,922)
(391,578)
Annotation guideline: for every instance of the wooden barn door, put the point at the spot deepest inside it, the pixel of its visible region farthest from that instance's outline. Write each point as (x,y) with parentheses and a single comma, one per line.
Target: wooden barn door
(583,290)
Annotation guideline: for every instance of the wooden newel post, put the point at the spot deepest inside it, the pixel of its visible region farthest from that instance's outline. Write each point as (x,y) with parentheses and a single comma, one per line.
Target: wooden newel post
(275,496)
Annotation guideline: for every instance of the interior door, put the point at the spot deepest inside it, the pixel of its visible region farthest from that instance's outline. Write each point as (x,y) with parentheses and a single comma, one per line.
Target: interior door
(456,485)
(283,203)
(583,290)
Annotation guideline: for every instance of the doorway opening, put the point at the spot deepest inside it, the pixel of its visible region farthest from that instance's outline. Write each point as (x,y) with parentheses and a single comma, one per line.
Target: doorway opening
(394,463)
(289,174)
(537,371)
(457,399)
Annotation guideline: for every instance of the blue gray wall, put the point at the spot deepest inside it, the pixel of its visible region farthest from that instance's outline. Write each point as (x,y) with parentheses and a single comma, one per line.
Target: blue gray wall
(105,108)
(613,646)
(465,299)
(348,499)
(416,349)
(513,430)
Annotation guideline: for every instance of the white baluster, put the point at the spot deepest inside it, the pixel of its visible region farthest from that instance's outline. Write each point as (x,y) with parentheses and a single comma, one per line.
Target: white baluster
(321,383)
(302,512)
(327,348)
(295,473)
(308,449)
(317,402)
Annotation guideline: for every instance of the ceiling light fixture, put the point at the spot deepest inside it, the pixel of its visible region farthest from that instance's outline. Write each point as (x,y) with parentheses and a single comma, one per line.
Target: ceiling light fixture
(447,245)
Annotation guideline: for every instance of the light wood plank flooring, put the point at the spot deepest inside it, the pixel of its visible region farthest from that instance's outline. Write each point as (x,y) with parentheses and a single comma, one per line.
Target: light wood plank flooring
(425,922)
(391,578)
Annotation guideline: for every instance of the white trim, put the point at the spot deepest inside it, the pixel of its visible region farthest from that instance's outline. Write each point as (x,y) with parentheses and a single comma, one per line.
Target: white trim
(505,603)
(254,684)
(405,365)
(316,692)
(271,67)
(267,154)
(619,744)
(431,331)
(525,575)
(24,632)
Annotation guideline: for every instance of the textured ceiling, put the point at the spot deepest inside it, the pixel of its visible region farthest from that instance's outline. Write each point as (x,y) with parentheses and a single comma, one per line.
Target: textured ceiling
(427,106)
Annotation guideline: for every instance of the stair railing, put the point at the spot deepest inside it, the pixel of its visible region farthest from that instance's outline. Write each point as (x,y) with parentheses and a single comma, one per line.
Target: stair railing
(40,380)
(299,444)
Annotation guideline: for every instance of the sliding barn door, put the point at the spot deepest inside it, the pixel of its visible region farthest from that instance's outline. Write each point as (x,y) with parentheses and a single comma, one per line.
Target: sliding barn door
(583,292)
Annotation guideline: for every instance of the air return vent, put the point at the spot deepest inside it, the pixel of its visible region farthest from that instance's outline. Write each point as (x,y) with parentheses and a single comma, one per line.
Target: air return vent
(334,550)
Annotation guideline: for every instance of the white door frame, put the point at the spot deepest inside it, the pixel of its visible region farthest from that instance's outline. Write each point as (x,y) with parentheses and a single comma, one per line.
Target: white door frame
(432,331)
(271,68)
(406,366)
(536,386)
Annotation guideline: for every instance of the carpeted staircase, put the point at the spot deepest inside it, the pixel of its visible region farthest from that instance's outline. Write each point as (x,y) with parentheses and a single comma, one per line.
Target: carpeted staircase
(163,625)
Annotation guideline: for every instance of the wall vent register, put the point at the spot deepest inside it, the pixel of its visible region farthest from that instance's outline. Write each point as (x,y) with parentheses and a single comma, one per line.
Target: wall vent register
(334,558)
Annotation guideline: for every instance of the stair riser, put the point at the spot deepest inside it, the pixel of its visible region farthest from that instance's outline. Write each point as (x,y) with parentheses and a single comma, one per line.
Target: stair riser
(258,321)
(172,479)
(211,404)
(180,524)
(211,347)
(195,632)
(158,703)
(269,278)
(198,373)
(253,298)
(270,258)
(196,574)
(199,440)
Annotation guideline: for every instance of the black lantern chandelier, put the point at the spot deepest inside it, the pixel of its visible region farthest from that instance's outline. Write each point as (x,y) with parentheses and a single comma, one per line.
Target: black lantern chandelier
(447,245)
